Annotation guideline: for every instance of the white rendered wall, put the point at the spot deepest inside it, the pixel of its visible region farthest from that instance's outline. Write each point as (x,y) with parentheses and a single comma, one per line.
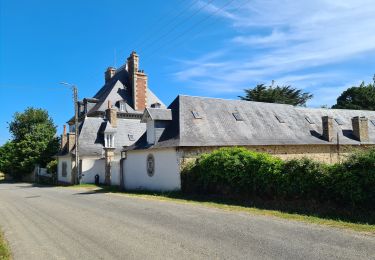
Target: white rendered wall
(166,176)
(150,131)
(92,166)
(68,161)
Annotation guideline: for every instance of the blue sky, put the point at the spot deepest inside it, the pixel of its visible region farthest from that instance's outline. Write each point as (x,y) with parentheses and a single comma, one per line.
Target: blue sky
(204,47)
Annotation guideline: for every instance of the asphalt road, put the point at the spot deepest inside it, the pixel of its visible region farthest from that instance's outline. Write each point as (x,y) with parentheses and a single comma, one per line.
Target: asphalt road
(60,223)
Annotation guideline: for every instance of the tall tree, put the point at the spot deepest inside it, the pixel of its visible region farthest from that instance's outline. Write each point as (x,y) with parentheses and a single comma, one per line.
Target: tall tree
(357,97)
(34,142)
(278,94)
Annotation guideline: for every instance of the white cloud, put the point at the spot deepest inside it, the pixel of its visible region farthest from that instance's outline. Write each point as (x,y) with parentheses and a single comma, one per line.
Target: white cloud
(283,39)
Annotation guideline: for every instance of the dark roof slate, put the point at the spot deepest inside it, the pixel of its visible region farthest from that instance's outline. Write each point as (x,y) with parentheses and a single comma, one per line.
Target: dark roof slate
(261,124)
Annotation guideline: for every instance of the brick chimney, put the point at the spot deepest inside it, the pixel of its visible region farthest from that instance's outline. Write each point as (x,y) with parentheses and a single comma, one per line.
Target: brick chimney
(138,80)
(111,114)
(360,128)
(64,139)
(109,73)
(327,128)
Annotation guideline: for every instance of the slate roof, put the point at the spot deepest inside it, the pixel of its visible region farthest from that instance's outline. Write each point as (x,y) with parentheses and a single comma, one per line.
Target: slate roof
(116,89)
(157,114)
(261,124)
(91,138)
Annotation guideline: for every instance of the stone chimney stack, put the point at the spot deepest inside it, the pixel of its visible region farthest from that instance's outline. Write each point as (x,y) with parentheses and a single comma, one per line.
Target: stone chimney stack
(71,141)
(138,80)
(327,128)
(111,115)
(64,139)
(360,128)
(109,73)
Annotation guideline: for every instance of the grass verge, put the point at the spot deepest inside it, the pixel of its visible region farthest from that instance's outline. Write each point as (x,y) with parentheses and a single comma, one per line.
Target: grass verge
(231,205)
(4,249)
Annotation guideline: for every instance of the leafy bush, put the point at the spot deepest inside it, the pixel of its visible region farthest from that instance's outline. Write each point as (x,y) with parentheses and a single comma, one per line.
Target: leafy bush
(303,179)
(233,171)
(353,182)
(238,172)
(52,166)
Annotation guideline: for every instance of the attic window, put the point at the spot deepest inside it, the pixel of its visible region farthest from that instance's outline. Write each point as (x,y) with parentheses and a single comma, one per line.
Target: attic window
(237,116)
(122,106)
(372,121)
(196,115)
(308,119)
(339,121)
(280,119)
(131,137)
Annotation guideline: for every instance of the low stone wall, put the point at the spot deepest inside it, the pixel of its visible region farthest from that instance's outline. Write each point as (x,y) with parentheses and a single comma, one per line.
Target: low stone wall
(322,153)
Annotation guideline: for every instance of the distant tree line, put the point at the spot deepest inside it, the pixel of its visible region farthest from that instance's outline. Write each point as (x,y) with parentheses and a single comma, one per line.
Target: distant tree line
(356,97)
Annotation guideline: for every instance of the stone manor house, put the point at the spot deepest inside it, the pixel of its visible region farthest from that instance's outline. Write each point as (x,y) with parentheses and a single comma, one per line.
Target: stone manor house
(129,138)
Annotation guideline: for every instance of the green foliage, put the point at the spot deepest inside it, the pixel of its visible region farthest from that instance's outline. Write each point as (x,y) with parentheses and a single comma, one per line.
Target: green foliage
(52,166)
(34,142)
(278,94)
(238,172)
(361,97)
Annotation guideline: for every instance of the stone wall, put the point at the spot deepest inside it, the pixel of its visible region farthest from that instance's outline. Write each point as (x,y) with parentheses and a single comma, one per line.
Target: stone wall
(323,153)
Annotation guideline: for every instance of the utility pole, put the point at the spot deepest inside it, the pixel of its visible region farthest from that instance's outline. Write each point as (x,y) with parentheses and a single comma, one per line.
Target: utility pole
(77,174)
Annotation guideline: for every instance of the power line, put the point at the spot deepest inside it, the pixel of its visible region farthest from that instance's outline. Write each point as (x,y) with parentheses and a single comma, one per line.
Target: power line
(153,52)
(156,26)
(180,23)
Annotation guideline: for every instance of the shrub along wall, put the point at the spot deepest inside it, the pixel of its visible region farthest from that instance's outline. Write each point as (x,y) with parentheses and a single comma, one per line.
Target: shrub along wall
(238,172)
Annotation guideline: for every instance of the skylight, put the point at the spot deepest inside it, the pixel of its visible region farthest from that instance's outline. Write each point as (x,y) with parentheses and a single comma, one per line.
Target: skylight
(131,137)
(280,119)
(237,116)
(308,119)
(196,115)
(372,121)
(339,121)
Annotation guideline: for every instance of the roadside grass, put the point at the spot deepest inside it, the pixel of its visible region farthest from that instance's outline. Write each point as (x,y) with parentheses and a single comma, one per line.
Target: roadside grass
(256,208)
(4,249)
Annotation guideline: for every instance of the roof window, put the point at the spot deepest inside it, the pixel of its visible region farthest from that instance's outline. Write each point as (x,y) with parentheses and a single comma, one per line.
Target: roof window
(237,116)
(372,121)
(196,115)
(308,119)
(122,106)
(339,121)
(280,119)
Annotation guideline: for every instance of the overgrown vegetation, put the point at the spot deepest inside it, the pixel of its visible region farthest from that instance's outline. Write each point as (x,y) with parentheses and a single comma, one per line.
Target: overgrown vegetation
(340,190)
(33,142)
(4,249)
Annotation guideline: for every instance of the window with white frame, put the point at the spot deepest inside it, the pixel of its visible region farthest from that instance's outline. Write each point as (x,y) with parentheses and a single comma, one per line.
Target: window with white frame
(109,140)
(122,106)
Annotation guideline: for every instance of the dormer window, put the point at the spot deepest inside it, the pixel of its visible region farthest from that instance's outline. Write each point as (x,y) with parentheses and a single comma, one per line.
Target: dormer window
(122,106)
(109,140)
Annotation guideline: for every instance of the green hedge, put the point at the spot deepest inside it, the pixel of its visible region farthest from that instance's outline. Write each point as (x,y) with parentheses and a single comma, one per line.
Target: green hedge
(238,172)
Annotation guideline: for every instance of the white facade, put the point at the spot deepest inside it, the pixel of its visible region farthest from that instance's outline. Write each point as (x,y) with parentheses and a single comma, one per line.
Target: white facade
(150,132)
(166,175)
(90,167)
(67,161)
